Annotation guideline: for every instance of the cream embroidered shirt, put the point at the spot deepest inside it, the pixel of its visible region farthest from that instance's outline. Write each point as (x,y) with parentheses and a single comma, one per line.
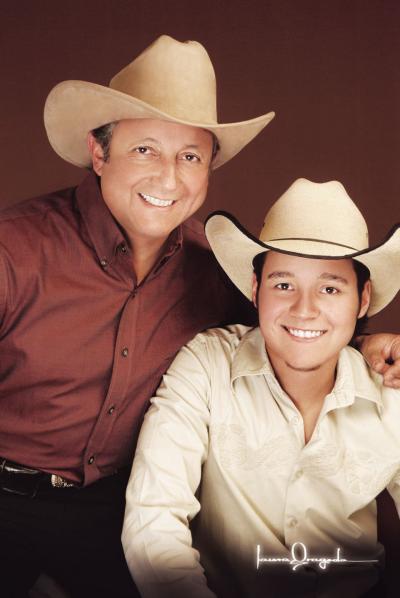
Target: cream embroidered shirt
(223,443)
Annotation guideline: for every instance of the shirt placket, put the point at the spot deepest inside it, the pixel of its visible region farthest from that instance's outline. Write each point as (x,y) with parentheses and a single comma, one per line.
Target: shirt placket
(293,512)
(126,345)
(117,390)
(296,523)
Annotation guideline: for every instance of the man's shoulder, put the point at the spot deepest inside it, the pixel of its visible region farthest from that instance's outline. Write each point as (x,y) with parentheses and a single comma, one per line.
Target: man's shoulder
(213,349)
(193,233)
(195,227)
(363,376)
(197,251)
(227,337)
(37,207)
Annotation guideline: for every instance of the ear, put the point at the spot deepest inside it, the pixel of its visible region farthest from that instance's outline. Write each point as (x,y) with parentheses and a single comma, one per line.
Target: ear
(254,290)
(96,154)
(365,299)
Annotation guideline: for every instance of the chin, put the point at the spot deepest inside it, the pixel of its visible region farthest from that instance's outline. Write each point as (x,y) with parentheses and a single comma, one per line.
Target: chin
(303,360)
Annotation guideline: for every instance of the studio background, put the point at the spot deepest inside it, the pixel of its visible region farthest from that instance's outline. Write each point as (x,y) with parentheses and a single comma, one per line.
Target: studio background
(329,69)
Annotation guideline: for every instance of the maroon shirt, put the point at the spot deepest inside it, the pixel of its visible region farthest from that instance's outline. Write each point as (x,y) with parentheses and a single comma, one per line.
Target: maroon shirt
(82,346)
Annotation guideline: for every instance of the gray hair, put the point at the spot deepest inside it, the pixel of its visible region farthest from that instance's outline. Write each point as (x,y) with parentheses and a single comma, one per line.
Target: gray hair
(103,136)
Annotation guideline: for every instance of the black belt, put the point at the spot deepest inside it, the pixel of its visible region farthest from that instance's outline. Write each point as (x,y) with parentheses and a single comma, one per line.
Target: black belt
(18,479)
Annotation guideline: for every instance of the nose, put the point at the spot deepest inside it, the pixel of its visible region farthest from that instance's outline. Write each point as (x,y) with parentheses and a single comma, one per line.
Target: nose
(304,306)
(168,175)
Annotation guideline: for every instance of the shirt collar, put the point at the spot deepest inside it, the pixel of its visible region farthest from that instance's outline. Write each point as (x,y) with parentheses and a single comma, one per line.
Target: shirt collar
(173,245)
(354,379)
(250,357)
(103,230)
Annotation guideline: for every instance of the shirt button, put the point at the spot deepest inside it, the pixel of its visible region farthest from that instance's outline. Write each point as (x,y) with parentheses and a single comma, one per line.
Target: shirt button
(292,522)
(111,410)
(103,263)
(91,460)
(295,420)
(125,352)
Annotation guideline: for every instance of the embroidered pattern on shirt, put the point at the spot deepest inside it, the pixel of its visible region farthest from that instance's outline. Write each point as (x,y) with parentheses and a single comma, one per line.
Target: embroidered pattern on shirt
(366,474)
(363,471)
(233,450)
(325,460)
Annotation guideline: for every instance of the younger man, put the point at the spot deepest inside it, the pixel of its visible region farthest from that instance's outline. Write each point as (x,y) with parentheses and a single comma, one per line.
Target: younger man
(290,433)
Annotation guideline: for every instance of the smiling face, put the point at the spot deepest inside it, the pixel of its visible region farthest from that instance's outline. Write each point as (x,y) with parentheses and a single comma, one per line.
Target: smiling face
(156,175)
(307,309)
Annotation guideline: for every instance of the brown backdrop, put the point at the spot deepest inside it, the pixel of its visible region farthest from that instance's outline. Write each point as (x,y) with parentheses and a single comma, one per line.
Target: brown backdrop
(330,70)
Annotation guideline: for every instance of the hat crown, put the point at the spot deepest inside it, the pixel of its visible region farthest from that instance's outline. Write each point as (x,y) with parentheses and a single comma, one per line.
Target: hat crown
(321,212)
(170,80)
(177,78)
(310,220)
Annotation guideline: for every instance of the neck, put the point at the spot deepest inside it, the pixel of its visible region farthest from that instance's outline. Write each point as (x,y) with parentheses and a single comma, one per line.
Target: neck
(306,388)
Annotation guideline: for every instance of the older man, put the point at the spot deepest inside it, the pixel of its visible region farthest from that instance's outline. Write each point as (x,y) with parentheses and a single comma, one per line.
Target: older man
(99,287)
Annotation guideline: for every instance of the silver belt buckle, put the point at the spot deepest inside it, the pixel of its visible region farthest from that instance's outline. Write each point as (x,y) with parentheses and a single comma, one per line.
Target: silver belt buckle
(58,482)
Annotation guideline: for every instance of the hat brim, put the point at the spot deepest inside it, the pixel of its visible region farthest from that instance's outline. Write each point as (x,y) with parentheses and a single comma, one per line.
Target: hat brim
(73,108)
(235,249)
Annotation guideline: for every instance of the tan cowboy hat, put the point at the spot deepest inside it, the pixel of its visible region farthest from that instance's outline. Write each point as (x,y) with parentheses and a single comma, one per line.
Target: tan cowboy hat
(317,220)
(170,80)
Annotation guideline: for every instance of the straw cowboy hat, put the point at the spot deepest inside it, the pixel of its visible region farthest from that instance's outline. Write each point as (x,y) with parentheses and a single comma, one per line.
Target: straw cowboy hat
(316,220)
(170,80)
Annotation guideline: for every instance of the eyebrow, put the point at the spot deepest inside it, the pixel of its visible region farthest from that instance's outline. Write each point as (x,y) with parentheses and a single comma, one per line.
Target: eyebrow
(145,139)
(153,140)
(323,276)
(280,274)
(330,276)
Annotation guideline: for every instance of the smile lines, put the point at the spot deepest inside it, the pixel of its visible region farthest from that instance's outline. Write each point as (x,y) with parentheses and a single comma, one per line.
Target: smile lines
(299,333)
(155,201)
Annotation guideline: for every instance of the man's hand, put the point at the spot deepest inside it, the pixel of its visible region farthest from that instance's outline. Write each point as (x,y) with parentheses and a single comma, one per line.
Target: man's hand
(382,352)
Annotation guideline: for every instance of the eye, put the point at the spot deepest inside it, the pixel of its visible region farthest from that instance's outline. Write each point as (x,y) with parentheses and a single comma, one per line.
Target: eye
(191,158)
(330,290)
(142,149)
(284,286)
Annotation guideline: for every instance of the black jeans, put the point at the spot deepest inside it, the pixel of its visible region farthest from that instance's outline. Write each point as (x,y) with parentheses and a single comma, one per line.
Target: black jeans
(72,534)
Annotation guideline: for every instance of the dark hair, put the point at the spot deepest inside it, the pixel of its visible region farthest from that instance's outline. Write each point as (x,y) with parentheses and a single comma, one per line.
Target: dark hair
(362,273)
(103,136)
(215,148)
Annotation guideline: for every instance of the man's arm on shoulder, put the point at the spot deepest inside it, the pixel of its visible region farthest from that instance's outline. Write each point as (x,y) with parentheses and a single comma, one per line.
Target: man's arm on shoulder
(382,352)
(166,472)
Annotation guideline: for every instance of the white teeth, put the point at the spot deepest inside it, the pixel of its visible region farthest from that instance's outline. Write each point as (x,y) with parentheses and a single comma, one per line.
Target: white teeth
(154,201)
(305,333)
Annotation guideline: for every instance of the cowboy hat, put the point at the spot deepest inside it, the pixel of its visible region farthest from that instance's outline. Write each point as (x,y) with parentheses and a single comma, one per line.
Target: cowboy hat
(170,80)
(316,220)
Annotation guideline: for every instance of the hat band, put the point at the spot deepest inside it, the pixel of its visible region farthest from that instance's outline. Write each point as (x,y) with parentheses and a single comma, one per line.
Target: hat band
(312,240)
